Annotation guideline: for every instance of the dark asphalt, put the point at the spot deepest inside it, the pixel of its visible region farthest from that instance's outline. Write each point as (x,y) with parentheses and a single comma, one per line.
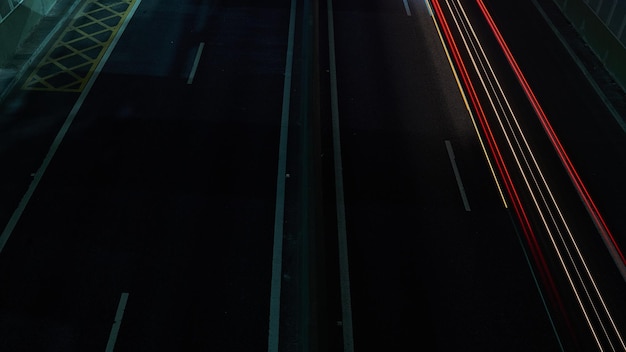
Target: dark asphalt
(426,274)
(160,189)
(167,191)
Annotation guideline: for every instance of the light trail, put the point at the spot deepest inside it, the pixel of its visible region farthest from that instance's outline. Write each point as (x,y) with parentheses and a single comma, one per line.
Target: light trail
(611,329)
(607,236)
(544,204)
(467,106)
(519,211)
(549,220)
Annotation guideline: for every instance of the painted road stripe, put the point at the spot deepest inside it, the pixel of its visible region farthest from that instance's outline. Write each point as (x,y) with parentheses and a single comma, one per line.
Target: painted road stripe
(192,74)
(459,182)
(342,238)
(466,102)
(279,216)
(70,62)
(581,66)
(15,217)
(406,7)
(430,11)
(115,329)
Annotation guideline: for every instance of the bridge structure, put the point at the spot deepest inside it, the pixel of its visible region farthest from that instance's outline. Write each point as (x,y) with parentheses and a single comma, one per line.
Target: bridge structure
(602,24)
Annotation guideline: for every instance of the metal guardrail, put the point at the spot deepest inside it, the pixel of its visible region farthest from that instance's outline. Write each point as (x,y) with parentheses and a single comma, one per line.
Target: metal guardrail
(7,7)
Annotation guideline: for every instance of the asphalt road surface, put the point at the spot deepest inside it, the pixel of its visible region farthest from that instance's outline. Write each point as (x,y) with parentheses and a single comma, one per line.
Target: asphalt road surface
(309,176)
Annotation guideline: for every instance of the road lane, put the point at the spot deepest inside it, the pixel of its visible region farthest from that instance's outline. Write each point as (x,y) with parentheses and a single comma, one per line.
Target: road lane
(160,189)
(164,191)
(584,318)
(30,122)
(425,272)
(67,123)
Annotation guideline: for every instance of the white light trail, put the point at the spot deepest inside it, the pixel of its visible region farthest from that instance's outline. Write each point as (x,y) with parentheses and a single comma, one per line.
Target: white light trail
(579,277)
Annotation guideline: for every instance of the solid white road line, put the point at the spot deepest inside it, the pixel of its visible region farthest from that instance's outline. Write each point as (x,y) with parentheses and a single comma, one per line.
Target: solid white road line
(118,321)
(15,217)
(459,182)
(277,256)
(406,7)
(344,272)
(196,61)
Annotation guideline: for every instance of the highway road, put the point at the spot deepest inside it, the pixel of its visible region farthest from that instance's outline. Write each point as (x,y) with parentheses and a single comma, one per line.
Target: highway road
(304,175)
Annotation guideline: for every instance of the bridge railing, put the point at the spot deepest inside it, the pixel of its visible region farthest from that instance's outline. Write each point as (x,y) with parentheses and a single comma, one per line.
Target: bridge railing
(7,7)
(602,24)
(17,20)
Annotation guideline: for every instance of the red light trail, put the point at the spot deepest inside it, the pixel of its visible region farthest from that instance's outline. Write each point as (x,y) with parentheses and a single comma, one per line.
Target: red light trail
(552,225)
(495,152)
(567,163)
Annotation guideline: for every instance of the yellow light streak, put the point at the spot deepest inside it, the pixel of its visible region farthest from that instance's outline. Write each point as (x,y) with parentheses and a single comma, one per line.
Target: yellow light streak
(469,110)
(551,197)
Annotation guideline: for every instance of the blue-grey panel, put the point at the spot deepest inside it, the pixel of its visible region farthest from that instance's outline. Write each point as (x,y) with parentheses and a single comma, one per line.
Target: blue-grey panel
(619,16)
(593,4)
(605,10)
(4,8)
